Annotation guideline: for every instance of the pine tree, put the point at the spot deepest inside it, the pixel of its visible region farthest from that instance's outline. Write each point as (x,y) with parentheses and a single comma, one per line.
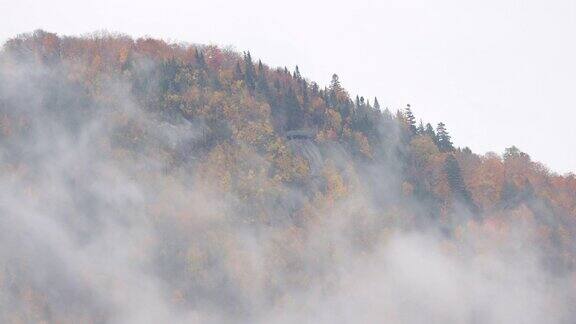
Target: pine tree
(261,81)
(297,75)
(420,130)
(456,182)
(305,97)
(444,139)
(335,85)
(376,104)
(249,72)
(430,132)
(199,57)
(400,117)
(295,111)
(387,114)
(509,195)
(238,75)
(410,119)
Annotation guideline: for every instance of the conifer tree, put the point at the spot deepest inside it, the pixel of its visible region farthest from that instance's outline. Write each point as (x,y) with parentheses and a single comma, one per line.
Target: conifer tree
(261,81)
(376,104)
(409,119)
(238,75)
(199,57)
(444,139)
(249,72)
(305,97)
(509,195)
(400,117)
(456,182)
(387,114)
(420,130)
(297,75)
(430,132)
(295,111)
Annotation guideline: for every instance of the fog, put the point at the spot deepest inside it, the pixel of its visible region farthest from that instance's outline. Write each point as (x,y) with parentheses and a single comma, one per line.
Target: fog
(99,223)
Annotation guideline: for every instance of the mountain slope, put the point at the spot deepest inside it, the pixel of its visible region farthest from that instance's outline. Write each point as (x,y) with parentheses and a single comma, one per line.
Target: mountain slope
(149,181)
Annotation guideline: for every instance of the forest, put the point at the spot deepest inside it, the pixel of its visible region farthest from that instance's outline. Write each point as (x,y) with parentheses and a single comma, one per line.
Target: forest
(146,181)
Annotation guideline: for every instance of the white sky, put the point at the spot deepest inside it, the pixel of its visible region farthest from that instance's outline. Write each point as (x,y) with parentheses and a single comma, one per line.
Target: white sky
(497,72)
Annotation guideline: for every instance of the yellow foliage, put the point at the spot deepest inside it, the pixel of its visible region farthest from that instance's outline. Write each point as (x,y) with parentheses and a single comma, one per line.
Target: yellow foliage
(424,147)
(335,185)
(363,144)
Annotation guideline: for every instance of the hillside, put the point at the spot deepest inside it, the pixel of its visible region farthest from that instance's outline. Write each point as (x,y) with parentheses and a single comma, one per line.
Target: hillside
(146,181)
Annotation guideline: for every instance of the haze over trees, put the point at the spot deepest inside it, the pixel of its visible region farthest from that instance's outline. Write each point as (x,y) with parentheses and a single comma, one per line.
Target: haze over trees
(150,181)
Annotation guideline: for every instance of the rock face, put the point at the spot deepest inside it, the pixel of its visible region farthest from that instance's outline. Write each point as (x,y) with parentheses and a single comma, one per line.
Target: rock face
(305,147)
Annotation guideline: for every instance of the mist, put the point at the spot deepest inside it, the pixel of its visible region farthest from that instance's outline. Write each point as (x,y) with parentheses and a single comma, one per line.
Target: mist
(113,213)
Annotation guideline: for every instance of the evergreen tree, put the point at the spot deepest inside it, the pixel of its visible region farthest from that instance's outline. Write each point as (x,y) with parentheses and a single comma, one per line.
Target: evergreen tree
(376,104)
(430,132)
(199,57)
(420,130)
(249,72)
(335,85)
(238,75)
(509,196)
(444,139)
(261,81)
(387,114)
(409,119)
(305,97)
(400,117)
(294,110)
(456,182)
(297,75)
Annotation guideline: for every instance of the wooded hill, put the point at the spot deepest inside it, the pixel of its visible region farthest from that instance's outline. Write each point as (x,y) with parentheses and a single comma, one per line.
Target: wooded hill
(281,149)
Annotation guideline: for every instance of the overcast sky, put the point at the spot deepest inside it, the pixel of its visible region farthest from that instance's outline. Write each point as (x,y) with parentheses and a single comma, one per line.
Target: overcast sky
(497,72)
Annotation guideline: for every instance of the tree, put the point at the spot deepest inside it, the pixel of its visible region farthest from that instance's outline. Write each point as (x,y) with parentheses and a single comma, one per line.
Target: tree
(238,75)
(420,130)
(410,119)
(376,104)
(294,110)
(249,72)
(509,195)
(297,74)
(430,132)
(444,139)
(335,85)
(456,182)
(514,153)
(199,57)
(261,81)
